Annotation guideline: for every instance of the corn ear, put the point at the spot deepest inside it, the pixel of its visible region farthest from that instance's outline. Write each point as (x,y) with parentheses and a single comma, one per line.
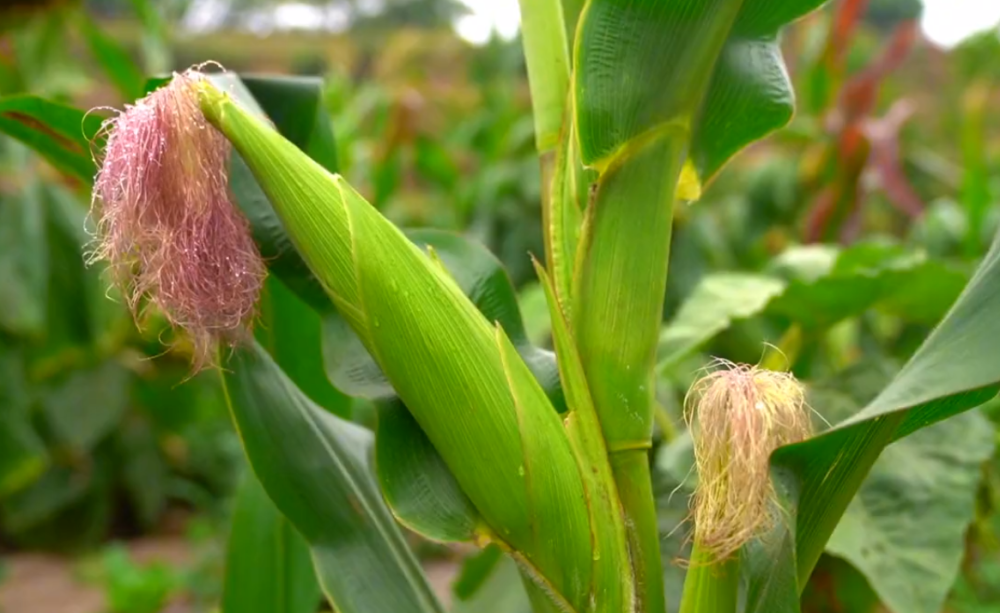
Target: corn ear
(460,377)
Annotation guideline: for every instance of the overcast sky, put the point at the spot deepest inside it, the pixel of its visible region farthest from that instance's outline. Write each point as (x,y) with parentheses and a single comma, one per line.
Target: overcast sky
(946,22)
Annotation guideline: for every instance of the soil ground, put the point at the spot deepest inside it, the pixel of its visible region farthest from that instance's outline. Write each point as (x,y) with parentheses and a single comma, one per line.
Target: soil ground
(43,583)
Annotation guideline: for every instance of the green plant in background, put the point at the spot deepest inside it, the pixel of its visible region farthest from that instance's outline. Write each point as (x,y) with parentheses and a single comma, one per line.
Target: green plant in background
(97,437)
(483,437)
(131,588)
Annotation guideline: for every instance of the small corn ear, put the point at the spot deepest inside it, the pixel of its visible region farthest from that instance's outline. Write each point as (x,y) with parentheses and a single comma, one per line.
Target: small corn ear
(739,414)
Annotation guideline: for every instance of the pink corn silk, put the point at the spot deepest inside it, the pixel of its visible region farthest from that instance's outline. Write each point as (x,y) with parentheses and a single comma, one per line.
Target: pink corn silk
(166,221)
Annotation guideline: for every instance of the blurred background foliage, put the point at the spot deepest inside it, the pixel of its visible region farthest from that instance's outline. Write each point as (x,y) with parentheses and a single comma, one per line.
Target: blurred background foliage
(831,248)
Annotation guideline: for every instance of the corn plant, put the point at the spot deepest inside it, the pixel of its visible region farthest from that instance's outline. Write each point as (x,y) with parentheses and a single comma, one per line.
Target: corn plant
(482,437)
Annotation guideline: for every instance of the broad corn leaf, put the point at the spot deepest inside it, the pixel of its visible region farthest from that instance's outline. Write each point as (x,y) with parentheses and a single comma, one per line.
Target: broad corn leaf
(954,370)
(314,466)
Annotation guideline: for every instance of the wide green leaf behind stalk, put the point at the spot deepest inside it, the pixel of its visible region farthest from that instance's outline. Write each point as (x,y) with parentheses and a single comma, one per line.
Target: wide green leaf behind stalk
(269,566)
(955,370)
(292,333)
(498,591)
(314,466)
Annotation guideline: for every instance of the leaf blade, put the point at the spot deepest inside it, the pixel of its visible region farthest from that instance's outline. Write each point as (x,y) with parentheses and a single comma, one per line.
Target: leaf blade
(952,372)
(60,133)
(268,567)
(362,561)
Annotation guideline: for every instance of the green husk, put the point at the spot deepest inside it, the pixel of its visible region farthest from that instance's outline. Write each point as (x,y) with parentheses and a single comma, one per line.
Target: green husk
(585,434)
(459,376)
(711,586)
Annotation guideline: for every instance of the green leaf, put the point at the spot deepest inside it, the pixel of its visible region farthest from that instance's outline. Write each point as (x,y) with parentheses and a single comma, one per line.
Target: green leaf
(641,66)
(502,591)
(113,58)
(155,43)
(87,405)
(814,286)
(712,307)
(268,567)
(81,324)
(295,105)
(58,488)
(416,483)
(547,56)
(103,318)
(264,549)
(476,569)
(904,530)
(314,466)
(750,94)
(896,279)
(953,371)
(713,65)
(64,509)
(22,453)
(24,262)
(144,472)
(61,134)
(292,333)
